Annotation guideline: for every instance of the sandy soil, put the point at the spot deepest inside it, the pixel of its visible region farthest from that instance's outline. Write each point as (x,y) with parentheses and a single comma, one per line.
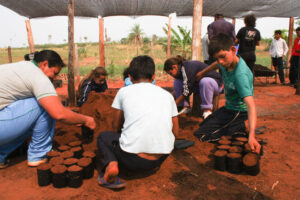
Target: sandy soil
(189,173)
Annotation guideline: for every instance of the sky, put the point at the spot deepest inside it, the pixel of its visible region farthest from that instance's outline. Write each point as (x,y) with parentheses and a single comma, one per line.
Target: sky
(55,29)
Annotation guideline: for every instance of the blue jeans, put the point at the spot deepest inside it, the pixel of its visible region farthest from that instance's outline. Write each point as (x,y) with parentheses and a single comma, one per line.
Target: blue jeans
(208,87)
(20,120)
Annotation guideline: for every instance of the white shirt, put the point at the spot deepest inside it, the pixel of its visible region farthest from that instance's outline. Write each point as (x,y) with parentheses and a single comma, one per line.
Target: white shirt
(148,112)
(278,48)
(22,80)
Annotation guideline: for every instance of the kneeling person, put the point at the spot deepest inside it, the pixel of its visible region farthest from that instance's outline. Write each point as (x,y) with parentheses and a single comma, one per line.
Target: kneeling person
(146,118)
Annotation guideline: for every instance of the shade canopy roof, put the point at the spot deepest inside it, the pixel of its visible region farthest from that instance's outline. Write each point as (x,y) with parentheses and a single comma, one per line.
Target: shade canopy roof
(104,8)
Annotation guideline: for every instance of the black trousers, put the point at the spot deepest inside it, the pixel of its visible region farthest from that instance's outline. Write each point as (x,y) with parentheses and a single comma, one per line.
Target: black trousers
(294,69)
(109,149)
(277,62)
(221,122)
(250,58)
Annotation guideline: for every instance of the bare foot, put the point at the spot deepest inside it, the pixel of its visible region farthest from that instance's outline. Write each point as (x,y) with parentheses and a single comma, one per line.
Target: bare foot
(111,172)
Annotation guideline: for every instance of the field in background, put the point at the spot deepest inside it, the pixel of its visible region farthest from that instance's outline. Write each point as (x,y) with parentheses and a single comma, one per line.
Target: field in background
(117,56)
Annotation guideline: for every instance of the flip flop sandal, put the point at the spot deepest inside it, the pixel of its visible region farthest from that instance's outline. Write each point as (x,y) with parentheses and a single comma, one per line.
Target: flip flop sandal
(183,144)
(117,184)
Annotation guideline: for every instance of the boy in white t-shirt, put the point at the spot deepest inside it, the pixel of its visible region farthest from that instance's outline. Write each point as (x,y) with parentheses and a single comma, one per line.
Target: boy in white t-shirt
(146,122)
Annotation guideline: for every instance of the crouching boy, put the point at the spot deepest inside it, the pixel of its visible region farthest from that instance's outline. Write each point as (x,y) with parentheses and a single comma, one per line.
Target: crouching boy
(146,122)
(238,85)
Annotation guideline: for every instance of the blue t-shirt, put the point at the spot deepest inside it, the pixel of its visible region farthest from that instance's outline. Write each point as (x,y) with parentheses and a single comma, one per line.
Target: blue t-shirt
(238,84)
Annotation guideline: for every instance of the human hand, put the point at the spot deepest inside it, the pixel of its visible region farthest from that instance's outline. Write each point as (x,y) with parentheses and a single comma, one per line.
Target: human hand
(199,76)
(90,122)
(254,145)
(283,56)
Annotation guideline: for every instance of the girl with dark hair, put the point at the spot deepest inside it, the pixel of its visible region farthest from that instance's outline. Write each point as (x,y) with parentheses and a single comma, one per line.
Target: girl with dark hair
(95,81)
(186,83)
(29,107)
(248,38)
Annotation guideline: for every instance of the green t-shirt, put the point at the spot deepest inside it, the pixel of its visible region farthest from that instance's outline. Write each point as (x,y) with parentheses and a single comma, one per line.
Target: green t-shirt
(238,84)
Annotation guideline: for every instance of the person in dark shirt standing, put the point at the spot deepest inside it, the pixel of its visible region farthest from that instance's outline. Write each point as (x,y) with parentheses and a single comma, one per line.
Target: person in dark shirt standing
(248,38)
(95,81)
(220,25)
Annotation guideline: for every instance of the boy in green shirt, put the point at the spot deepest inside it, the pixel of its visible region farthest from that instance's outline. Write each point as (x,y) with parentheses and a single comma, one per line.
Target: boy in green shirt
(238,85)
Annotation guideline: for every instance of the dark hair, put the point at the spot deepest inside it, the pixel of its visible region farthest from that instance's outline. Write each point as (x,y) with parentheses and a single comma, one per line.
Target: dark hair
(142,67)
(178,60)
(126,73)
(51,56)
(298,28)
(278,32)
(218,15)
(250,20)
(218,43)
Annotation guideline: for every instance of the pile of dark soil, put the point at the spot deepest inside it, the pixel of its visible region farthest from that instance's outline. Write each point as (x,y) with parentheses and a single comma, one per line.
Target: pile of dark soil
(260,70)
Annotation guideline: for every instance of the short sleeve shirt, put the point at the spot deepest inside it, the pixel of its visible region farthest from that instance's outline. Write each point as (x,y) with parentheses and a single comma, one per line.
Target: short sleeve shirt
(148,112)
(238,84)
(248,38)
(23,80)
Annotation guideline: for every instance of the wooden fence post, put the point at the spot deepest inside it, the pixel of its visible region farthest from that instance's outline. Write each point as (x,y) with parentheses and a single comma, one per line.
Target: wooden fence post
(9,54)
(101,42)
(169,38)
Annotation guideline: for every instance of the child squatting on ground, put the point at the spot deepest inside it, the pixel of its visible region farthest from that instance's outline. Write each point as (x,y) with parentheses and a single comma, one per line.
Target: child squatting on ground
(238,85)
(95,81)
(184,73)
(145,124)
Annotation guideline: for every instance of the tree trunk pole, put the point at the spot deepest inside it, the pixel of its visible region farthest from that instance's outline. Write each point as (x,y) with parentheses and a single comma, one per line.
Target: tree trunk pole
(197,22)
(169,38)
(290,42)
(71,85)
(29,35)
(9,54)
(101,42)
(233,21)
(77,64)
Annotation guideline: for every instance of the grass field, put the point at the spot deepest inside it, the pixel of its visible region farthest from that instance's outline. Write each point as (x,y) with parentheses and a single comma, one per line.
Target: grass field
(117,56)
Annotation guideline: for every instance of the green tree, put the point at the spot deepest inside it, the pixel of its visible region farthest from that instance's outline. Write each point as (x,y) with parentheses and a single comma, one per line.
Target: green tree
(136,36)
(180,42)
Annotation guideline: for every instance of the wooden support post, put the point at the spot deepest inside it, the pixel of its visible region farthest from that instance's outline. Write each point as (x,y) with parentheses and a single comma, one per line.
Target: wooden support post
(30,36)
(71,85)
(77,64)
(197,22)
(101,42)
(9,54)
(233,21)
(290,42)
(169,38)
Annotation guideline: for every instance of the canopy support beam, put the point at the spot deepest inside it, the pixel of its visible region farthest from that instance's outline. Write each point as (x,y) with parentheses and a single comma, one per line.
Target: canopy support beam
(71,85)
(101,42)
(169,38)
(29,35)
(197,22)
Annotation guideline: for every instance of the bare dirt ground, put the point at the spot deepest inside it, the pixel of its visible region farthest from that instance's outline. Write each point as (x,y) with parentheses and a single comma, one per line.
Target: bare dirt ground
(189,173)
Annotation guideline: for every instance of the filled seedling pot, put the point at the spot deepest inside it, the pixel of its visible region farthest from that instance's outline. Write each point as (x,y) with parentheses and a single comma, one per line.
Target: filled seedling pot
(237,143)
(234,161)
(226,137)
(67,154)
(224,142)
(241,139)
(77,151)
(87,135)
(75,144)
(223,147)
(88,168)
(52,154)
(90,154)
(75,176)
(44,174)
(235,149)
(220,160)
(59,176)
(251,164)
(260,141)
(70,161)
(63,148)
(56,161)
